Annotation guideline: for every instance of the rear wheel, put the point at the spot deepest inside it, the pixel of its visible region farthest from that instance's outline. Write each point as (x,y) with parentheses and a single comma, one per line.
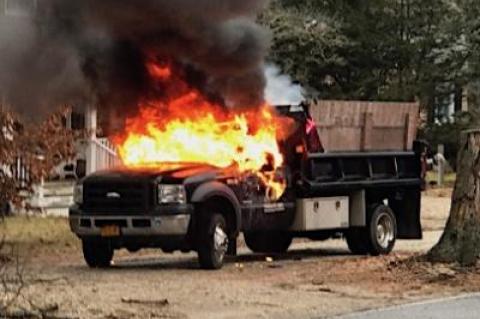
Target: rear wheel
(212,241)
(379,237)
(97,253)
(357,241)
(268,242)
(382,230)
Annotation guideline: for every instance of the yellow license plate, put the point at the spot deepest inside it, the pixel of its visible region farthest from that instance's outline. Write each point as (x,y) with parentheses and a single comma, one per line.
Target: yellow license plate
(110,231)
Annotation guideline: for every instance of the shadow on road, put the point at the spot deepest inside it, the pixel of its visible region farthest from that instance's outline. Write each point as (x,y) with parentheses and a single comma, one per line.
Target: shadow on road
(189,262)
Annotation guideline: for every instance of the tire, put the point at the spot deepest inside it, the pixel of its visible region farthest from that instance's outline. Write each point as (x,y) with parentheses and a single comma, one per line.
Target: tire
(357,241)
(97,253)
(382,230)
(212,240)
(268,242)
(379,237)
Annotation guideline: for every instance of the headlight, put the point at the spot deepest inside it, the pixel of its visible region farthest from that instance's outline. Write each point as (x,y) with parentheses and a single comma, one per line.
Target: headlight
(171,194)
(78,194)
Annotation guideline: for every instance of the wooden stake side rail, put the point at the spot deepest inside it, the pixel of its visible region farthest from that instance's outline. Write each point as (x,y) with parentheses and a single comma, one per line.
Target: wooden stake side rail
(366,126)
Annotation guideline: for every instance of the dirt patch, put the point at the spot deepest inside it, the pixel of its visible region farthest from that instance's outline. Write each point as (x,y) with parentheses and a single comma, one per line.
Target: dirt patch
(438,192)
(435,208)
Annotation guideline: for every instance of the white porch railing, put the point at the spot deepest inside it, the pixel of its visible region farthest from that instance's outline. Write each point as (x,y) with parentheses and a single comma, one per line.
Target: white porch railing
(104,154)
(54,198)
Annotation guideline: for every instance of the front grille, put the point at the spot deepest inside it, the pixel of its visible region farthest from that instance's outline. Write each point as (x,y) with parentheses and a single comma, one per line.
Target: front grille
(106,198)
(141,223)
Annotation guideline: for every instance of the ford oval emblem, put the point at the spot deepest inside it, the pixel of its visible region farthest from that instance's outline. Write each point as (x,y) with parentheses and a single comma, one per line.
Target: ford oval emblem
(113,195)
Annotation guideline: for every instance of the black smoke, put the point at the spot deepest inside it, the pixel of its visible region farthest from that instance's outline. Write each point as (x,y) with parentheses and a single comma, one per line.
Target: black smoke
(94,51)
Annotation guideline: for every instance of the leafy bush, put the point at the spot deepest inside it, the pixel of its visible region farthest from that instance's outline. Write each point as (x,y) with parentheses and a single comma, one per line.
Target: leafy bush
(40,146)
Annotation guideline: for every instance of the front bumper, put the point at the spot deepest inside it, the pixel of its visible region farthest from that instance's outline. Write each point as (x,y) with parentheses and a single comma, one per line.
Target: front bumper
(86,225)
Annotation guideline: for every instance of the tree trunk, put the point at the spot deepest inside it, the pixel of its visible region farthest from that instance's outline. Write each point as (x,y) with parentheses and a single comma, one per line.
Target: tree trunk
(460,241)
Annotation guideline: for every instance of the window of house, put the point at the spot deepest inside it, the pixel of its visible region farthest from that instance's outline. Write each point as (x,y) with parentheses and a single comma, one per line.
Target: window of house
(20,7)
(77,121)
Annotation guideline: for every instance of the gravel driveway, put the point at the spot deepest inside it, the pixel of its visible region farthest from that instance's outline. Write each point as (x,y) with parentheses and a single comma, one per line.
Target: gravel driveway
(314,279)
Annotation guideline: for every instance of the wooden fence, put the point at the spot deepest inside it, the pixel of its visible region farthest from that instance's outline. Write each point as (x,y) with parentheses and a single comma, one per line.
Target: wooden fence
(361,126)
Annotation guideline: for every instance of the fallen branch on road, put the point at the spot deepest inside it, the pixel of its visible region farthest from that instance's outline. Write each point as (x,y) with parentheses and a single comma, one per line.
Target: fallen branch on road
(31,315)
(159,302)
(46,312)
(48,280)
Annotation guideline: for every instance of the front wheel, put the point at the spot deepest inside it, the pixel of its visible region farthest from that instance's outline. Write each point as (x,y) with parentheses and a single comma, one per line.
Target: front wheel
(97,253)
(212,241)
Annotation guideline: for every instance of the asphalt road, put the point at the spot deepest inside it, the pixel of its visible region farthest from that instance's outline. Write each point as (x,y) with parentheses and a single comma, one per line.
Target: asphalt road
(462,307)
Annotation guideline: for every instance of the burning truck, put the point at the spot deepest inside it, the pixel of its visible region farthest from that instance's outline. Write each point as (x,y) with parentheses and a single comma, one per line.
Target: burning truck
(196,174)
(205,158)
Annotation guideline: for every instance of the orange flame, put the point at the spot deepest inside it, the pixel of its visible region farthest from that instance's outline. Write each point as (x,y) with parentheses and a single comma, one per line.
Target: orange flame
(159,72)
(188,128)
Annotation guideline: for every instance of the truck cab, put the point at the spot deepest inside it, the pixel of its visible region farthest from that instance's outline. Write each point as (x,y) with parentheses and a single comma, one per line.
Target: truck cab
(368,198)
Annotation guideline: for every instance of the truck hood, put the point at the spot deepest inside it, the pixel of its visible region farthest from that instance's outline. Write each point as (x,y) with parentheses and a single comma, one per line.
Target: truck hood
(170,173)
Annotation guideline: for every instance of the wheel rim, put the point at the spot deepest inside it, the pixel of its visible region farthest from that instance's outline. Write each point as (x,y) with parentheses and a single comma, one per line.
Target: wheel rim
(220,242)
(385,231)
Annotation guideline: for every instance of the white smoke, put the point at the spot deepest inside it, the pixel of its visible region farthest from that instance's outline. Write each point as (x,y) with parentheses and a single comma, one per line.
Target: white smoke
(280,89)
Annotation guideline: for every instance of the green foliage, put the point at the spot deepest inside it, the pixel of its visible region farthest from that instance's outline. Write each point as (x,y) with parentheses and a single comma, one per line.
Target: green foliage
(308,45)
(401,50)
(387,50)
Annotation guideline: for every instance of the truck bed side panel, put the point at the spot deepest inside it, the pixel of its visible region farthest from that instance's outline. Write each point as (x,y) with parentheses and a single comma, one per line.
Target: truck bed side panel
(390,177)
